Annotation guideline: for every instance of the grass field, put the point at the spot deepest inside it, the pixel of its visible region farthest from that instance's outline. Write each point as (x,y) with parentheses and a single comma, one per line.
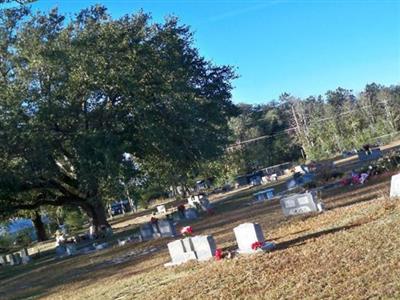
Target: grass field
(352,251)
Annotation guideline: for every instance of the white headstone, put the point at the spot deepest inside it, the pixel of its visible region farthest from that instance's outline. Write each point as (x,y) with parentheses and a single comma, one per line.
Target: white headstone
(179,253)
(204,246)
(161,209)
(246,234)
(299,204)
(11,259)
(395,186)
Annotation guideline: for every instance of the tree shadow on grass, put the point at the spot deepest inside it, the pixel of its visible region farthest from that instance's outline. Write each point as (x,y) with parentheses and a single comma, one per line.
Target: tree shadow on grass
(302,239)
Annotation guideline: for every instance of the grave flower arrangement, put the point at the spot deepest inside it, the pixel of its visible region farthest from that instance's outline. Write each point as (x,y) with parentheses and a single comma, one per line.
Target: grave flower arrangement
(218,254)
(187,231)
(256,245)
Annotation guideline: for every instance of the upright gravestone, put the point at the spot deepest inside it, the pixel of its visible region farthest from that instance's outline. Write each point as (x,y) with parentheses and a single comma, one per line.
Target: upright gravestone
(10,258)
(70,249)
(17,258)
(25,258)
(146,231)
(246,235)
(60,251)
(191,214)
(167,228)
(299,204)
(395,186)
(204,246)
(180,251)
(264,195)
(161,209)
(3,260)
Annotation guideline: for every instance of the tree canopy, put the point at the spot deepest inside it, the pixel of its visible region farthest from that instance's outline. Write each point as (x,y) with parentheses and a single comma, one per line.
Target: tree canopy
(89,101)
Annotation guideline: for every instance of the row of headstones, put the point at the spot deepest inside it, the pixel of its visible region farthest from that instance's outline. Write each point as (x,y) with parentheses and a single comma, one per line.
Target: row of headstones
(17,258)
(203,247)
(165,227)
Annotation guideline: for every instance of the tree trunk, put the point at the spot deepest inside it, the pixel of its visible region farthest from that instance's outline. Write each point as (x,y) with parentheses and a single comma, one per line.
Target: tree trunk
(39,227)
(97,214)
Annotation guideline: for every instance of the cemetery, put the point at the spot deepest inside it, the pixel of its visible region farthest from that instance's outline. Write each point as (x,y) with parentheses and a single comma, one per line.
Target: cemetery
(266,233)
(136,165)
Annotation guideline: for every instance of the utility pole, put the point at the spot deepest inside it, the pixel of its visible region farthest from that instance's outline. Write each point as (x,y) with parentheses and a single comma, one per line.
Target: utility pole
(298,130)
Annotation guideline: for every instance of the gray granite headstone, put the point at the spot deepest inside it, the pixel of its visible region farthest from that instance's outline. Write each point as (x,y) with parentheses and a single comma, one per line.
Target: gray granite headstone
(246,234)
(146,231)
(191,214)
(395,186)
(204,246)
(167,228)
(60,251)
(101,246)
(176,216)
(70,249)
(18,259)
(297,204)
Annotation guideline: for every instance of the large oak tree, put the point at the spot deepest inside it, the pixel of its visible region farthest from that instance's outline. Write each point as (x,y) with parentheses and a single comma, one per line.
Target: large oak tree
(76,95)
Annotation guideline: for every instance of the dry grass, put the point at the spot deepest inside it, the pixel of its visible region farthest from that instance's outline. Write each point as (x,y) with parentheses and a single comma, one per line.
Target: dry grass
(352,251)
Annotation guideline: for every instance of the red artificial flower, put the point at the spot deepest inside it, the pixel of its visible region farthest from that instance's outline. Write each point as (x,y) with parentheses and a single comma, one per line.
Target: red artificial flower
(218,254)
(187,231)
(153,220)
(181,207)
(256,245)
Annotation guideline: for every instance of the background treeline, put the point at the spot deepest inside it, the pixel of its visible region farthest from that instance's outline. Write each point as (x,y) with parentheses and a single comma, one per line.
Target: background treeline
(317,127)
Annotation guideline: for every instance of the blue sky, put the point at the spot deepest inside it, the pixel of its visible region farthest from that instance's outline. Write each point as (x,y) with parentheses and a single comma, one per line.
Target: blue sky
(302,47)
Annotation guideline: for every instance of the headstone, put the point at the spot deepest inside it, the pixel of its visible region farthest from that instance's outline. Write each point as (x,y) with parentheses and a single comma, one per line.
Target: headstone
(60,250)
(122,242)
(70,249)
(17,259)
(395,186)
(264,195)
(299,204)
(167,228)
(3,260)
(246,234)
(176,216)
(101,246)
(181,251)
(10,259)
(191,214)
(161,209)
(146,231)
(25,258)
(204,246)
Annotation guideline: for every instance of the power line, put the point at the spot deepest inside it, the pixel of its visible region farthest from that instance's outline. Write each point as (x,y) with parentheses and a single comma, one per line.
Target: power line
(240,143)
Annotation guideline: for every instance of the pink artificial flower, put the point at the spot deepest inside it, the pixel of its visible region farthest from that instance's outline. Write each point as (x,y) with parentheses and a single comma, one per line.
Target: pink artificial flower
(187,231)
